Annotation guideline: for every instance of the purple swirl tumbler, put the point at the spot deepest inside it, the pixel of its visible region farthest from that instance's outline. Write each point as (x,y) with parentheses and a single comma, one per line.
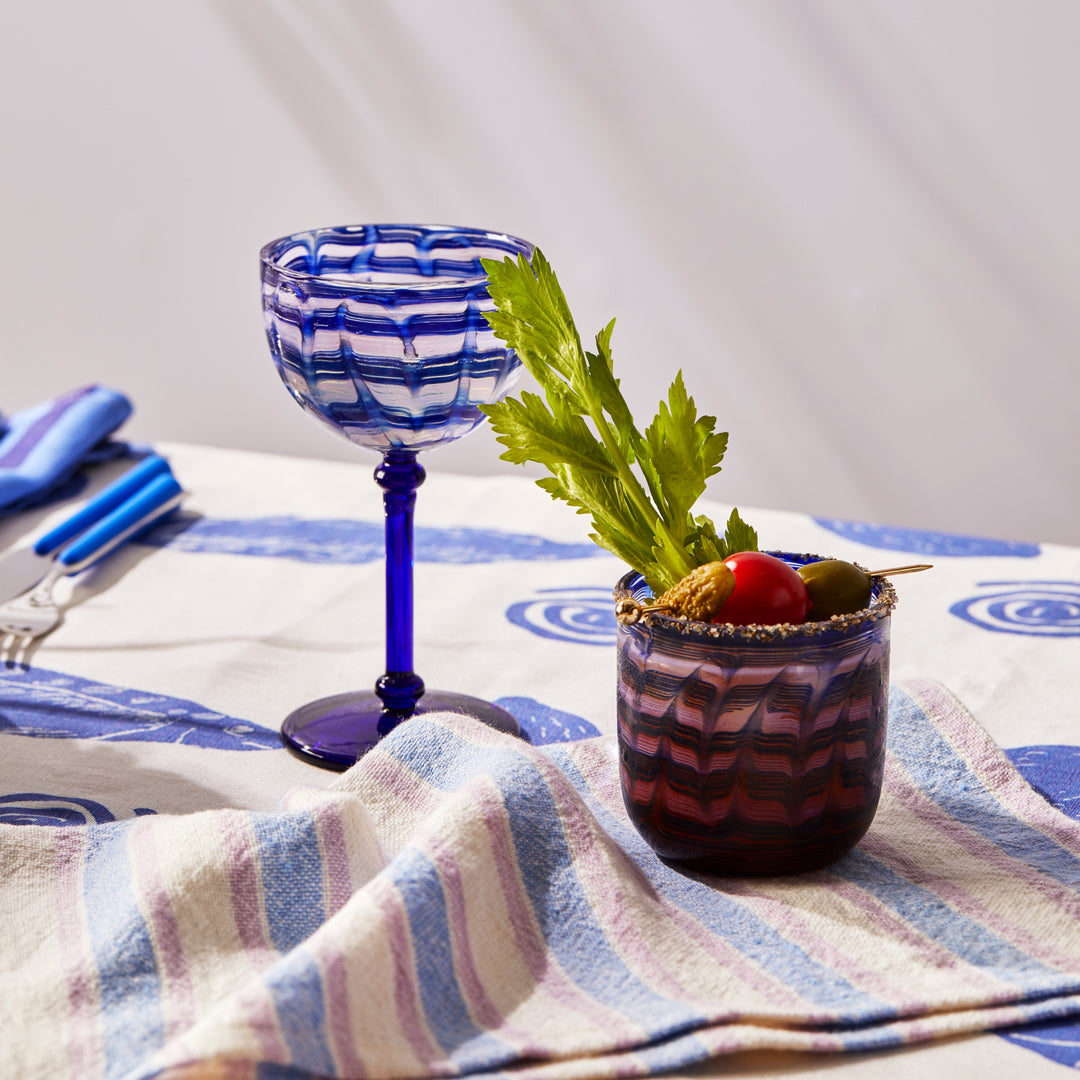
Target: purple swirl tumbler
(753,750)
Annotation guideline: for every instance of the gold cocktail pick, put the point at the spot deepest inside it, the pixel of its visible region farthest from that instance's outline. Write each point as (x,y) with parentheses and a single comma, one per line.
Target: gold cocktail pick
(913,569)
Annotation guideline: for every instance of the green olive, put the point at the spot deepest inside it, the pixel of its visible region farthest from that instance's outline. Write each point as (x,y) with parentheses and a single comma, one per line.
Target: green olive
(835,587)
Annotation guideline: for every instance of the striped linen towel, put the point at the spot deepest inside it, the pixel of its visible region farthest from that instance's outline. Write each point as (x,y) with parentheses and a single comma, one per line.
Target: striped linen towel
(460,903)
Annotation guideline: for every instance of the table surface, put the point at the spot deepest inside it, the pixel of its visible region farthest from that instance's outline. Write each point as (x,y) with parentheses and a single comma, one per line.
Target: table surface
(266,593)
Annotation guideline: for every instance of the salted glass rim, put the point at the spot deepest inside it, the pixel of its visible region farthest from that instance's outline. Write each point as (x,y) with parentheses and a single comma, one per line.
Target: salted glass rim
(882,602)
(269,253)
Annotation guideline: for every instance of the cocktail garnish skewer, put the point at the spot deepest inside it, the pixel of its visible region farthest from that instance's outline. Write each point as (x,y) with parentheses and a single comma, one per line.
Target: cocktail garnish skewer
(913,569)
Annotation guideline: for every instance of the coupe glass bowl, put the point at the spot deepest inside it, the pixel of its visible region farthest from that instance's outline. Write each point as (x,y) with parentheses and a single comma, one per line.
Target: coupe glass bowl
(378,331)
(753,750)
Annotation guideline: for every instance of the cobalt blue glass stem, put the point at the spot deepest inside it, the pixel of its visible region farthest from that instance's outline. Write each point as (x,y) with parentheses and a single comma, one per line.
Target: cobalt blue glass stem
(335,732)
(399,475)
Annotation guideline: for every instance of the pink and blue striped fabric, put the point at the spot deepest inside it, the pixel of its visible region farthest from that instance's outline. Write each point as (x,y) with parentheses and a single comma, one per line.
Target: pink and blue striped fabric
(461,903)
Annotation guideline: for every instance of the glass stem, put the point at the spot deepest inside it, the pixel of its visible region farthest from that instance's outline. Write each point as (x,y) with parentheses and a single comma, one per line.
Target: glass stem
(399,475)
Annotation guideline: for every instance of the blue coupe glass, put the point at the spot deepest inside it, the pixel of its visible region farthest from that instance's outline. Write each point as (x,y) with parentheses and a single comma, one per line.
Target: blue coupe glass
(378,332)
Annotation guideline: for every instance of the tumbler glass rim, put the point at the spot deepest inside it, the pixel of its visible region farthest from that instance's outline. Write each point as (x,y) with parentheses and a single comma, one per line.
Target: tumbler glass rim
(883,600)
(270,252)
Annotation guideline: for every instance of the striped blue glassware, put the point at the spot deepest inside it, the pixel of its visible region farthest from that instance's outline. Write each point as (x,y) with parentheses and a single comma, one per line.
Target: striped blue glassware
(378,333)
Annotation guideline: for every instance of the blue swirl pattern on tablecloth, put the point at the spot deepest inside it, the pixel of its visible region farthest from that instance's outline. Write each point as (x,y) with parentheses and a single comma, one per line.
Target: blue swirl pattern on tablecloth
(50,705)
(1037,608)
(544,724)
(378,331)
(39,808)
(346,541)
(920,542)
(1054,772)
(577,614)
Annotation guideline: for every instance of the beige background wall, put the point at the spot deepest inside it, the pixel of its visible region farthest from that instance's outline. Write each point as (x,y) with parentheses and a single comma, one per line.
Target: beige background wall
(853,223)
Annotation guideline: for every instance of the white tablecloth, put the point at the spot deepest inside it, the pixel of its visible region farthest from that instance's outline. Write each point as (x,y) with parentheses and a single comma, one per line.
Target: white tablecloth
(267,593)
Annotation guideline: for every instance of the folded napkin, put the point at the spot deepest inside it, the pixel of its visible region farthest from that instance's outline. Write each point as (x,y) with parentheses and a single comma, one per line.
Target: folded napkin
(41,448)
(462,903)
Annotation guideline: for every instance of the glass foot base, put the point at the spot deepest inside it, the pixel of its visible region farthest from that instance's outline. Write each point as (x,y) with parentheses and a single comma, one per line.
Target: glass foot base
(335,732)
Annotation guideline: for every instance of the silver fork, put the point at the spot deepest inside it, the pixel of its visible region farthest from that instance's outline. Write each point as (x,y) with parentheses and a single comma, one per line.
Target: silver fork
(27,618)
(36,613)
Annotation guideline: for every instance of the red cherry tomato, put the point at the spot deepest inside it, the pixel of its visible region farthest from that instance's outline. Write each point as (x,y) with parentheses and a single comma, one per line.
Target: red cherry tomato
(767,591)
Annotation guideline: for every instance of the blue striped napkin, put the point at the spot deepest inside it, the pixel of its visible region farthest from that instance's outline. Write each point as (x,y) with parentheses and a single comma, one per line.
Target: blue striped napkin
(42,447)
(461,903)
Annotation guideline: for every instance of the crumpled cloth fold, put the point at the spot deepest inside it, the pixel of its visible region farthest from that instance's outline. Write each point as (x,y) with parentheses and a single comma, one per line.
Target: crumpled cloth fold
(44,446)
(461,903)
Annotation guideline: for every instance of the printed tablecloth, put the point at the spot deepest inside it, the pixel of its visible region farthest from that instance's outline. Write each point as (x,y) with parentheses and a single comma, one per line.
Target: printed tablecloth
(160,697)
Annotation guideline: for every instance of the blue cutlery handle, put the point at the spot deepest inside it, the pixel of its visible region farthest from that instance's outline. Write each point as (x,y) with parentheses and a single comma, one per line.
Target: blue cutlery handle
(108,499)
(122,522)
